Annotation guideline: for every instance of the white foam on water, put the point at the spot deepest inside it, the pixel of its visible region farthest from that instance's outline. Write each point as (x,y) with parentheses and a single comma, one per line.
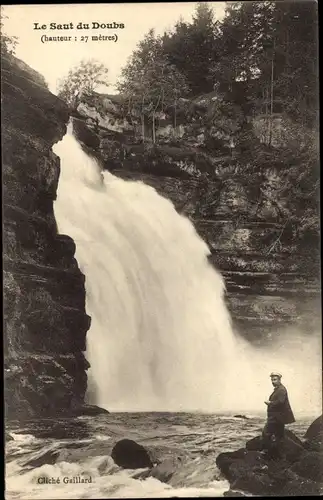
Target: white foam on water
(108,481)
(161,336)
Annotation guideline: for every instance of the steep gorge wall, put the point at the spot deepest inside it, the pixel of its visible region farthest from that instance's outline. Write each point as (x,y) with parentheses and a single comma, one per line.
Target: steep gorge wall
(45,323)
(272,281)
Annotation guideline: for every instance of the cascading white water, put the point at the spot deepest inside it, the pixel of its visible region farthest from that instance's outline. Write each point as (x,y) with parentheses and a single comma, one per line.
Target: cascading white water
(161,337)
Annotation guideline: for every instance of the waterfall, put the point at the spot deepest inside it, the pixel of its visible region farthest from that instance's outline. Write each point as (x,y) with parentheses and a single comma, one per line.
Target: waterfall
(161,335)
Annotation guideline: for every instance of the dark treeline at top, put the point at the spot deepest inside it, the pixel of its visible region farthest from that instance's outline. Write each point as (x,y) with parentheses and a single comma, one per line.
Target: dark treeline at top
(259,62)
(262,57)
(257,67)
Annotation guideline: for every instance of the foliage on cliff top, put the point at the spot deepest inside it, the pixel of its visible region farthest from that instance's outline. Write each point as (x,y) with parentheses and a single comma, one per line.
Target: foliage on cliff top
(8,43)
(250,81)
(84,77)
(149,82)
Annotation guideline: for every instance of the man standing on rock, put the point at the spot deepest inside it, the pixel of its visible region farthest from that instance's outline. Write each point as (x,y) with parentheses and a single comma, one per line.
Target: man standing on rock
(279,413)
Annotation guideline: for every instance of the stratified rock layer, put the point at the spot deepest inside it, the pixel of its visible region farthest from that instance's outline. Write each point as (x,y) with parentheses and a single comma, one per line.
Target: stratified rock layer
(272,278)
(45,323)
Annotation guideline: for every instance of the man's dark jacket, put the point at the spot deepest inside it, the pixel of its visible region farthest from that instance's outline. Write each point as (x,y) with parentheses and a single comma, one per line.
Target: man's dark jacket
(279,409)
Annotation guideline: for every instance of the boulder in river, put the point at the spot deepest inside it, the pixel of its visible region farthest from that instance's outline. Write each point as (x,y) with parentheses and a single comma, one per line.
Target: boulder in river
(302,488)
(224,460)
(232,493)
(42,458)
(314,429)
(293,446)
(165,470)
(86,409)
(300,472)
(314,435)
(310,466)
(131,455)
(8,437)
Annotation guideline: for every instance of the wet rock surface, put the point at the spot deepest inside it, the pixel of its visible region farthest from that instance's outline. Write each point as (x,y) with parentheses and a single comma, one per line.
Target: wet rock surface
(88,410)
(271,279)
(130,455)
(315,430)
(165,470)
(44,296)
(297,472)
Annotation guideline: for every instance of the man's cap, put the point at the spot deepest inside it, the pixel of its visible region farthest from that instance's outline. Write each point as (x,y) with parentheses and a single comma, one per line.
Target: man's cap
(276,374)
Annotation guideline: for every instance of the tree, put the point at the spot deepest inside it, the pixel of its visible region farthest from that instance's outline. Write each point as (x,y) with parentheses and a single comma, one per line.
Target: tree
(8,43)
(150,84)
(269,60)
(85,77)
(192,47)
(245,37)
(296,65)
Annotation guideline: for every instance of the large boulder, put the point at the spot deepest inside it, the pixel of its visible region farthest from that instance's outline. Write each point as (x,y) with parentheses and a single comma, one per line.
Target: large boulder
(310,466)
(292,445)
(85,134)
(255,444)
(224,460)
(255,475)
(88,410)
(252,470)
(314,435)
(232,493)
(315,444)
(8,436)
(48,457)
(131,455)
(301,487)
(314,429)
(165,470)
(246,470)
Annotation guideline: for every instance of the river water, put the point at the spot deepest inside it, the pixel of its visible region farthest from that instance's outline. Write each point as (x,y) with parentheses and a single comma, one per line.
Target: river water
(84,446)
(160,344)
(161,334)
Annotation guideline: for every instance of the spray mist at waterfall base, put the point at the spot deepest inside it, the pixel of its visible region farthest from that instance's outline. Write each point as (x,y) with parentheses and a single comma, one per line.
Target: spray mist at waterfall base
(161,335)
(164,359)
(196,438)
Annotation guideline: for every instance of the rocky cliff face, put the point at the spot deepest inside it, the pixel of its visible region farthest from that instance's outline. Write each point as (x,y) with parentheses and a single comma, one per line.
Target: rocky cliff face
(45,323)
(271,277)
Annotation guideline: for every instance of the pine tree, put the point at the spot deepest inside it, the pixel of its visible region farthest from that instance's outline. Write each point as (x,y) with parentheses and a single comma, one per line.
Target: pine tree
(191,48)
(150,83)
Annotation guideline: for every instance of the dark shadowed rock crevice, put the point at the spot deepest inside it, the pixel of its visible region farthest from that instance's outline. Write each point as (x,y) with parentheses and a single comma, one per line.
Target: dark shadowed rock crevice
(298,472)
(45,322)
(271,275)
